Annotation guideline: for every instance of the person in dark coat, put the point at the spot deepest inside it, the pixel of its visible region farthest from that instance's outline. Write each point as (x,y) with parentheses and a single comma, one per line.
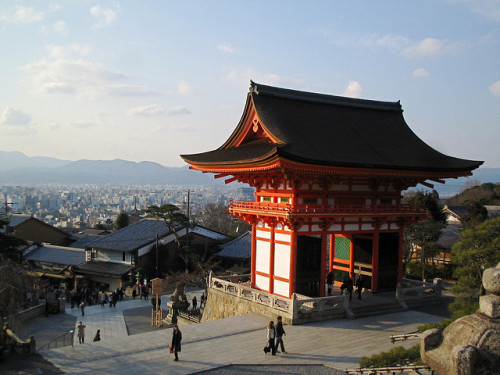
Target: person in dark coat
(359,286)
(280,332)
(176,341)
(329,282)
(195,303)
(97,336)
(350,287)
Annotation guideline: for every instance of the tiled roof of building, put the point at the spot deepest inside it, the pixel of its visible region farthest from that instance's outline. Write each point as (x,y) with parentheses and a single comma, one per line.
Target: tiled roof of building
(81,242)
(55,254)
(327,130)
(239,248)
(131,237)
(105,268)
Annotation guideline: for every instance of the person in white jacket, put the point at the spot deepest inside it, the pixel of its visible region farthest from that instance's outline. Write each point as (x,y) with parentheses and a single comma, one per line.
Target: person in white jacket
(271,335)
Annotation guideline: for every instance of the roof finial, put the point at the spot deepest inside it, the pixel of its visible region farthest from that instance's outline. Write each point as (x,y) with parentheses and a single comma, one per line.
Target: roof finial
(253,87)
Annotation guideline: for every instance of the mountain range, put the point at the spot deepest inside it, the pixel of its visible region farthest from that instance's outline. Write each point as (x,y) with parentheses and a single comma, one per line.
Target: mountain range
(18,169)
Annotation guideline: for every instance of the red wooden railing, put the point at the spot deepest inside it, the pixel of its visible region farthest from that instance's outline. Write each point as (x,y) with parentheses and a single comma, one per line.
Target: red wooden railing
(321,209)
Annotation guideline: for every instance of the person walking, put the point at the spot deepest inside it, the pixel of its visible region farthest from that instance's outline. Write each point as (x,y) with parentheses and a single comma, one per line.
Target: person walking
(97,336)
(271,335)
(81,332)
(82,307)
(329,282)
(202,300)
(195,303)
(103,298)
(176,341)
(359,286)
(280,332)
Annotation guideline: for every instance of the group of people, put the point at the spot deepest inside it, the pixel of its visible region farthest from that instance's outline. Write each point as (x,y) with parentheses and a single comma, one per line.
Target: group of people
(275,337)
(348,286)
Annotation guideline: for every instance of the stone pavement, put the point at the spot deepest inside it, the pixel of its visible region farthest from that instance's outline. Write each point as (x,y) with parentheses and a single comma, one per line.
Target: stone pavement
(337,343)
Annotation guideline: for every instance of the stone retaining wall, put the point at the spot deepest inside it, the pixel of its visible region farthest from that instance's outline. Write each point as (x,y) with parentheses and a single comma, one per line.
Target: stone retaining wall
(222,305)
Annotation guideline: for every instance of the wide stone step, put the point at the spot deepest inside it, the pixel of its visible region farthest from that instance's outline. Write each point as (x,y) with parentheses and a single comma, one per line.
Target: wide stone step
(378,309)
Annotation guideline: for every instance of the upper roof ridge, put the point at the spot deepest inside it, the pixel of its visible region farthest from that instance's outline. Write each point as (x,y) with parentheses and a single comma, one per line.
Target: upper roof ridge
(260,89)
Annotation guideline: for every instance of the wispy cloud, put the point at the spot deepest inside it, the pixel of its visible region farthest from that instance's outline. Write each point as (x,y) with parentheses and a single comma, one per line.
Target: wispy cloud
(15,117)
(185,88)
(353,90)
(103,16)
(495,89)
(421,73)
(22,14)
(226,48)
(487,8)
(148,110)
(60,27)
(179,110)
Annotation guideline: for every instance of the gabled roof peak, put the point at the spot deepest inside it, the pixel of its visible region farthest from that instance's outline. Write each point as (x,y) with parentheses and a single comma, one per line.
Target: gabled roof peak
(259,89)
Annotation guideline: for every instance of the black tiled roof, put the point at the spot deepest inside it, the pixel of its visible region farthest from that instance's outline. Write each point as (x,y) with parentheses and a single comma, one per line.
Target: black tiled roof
(131,237)
(331,131)
(105,268)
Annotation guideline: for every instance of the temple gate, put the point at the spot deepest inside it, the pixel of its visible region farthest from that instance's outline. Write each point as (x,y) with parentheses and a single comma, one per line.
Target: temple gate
(328,173)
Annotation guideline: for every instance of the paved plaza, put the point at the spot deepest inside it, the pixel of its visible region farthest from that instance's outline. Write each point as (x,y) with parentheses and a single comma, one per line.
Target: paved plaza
(209,346)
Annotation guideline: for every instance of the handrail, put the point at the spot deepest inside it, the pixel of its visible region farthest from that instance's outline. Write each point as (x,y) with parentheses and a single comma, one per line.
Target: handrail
(387,370)
(63,337)
(287,208)
(405,336)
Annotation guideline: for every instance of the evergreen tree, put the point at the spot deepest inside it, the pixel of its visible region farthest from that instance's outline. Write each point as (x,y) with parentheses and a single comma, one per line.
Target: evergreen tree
(9,245)
(122,220)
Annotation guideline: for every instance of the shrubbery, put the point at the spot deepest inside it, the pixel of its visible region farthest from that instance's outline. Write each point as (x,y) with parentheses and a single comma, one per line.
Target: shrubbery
(398,356)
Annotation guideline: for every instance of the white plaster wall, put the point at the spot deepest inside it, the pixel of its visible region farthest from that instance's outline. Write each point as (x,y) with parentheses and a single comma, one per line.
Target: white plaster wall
(282,237)
(282,260)
(262,282)
(263,234)
(282,288)
(335,228)
(262,256)
(394,226)
(351,227)
(366,227)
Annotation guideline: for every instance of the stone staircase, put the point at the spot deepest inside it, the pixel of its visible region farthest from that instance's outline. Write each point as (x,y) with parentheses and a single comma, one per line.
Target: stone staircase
(387,307)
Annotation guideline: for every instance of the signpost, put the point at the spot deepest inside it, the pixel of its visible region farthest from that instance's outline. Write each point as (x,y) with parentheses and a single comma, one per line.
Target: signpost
(157,313)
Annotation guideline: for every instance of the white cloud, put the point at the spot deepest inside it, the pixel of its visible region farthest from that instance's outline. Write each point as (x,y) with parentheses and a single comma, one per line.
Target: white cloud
(185,88)
(22,14)
(226,48)
(60,27)
(103,16)
(149,110)
(67,76)
(353,90)
(82,124)
(421,73)
(179,110)
(495,88)
(73,49)
(13,116)
(487,8)
(431,47)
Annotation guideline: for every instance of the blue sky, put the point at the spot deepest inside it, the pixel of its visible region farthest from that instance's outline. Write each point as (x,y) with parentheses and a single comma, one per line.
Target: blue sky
(149,80)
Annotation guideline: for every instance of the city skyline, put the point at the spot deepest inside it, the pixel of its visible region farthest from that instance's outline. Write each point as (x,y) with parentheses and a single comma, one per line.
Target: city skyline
(150,81)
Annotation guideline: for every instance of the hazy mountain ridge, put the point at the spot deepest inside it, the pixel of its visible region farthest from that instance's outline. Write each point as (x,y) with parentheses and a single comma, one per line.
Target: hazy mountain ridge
(17,168)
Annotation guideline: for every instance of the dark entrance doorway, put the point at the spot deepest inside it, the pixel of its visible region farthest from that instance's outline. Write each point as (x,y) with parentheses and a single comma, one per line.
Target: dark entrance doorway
(308,266)
(388,261)
(363,250)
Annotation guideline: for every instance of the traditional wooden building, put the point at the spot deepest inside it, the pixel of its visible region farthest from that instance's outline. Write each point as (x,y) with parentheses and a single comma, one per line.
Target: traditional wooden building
(328,173)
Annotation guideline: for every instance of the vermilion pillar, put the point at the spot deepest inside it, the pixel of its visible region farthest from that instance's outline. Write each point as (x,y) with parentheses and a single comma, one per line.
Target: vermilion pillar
(323,264)
(332,252)
(254,255)
(351,257)
(293,262)
(271,262)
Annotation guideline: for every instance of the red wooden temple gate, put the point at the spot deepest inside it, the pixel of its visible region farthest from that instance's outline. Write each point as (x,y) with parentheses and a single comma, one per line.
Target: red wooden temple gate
(328,173)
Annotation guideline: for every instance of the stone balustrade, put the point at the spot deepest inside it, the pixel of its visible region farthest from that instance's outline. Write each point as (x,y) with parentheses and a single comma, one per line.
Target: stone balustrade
(413,292)
(295,310)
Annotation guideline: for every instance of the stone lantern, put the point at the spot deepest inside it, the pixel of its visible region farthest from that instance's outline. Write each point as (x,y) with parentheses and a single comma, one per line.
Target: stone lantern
(471,344)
